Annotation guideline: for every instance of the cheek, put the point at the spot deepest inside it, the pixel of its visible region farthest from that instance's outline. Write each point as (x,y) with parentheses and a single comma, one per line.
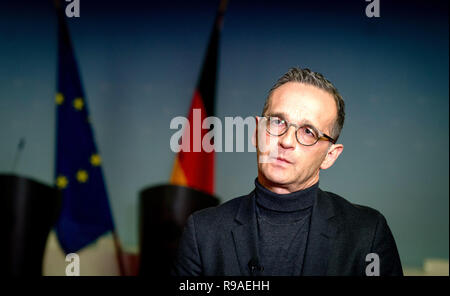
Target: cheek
(309,158)
(270,143)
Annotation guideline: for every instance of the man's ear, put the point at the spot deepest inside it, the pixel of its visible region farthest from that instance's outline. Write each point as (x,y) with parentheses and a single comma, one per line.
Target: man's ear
(254,139)
(333,153)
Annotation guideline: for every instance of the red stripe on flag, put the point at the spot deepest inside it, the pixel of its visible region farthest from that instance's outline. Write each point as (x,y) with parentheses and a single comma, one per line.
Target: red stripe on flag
(198,167)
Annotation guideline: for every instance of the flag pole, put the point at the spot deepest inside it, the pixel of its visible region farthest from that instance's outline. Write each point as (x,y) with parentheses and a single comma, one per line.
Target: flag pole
(119,253)
(223,6)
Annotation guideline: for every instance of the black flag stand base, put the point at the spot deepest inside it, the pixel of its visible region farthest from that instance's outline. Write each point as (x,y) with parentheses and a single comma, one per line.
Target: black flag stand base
(163,213)
(28,211)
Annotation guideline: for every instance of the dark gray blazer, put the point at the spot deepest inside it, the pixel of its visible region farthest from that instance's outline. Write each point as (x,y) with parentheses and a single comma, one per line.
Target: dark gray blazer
(220,241)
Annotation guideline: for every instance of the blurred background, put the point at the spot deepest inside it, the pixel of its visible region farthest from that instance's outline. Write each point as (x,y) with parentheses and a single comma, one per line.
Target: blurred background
(139,63)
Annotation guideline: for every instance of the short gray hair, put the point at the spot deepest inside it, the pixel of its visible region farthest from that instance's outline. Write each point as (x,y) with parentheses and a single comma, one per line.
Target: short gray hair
(307,76)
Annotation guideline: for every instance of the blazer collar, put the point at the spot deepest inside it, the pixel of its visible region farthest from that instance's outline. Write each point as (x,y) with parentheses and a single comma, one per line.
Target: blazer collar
(246,209)
(322,232)
(245,233)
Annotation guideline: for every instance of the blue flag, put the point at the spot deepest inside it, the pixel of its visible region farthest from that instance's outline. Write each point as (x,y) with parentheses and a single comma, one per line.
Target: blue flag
(86,213)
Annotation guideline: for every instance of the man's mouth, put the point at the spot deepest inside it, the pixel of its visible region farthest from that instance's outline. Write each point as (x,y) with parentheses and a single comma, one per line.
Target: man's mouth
(282,160)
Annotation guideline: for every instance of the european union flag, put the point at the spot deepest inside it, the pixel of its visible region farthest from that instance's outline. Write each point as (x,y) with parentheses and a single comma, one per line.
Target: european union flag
(86,214)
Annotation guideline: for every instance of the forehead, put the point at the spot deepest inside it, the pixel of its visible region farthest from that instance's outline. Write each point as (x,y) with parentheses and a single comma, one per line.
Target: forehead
(303,102)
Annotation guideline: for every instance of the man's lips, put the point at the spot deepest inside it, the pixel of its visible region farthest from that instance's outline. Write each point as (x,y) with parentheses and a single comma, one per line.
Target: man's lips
(283,160)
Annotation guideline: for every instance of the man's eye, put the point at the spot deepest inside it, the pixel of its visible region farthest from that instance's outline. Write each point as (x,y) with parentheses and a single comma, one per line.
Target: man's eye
(277,121)
(309,132)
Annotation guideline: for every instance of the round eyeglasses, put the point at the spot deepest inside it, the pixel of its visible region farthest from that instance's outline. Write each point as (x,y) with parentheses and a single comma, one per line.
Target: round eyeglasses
(306,135)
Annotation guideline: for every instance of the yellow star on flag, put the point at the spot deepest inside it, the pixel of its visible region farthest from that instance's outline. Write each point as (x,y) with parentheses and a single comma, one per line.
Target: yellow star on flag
(59,99)
(82,176)
(61,182)
(78,103)
(96,160)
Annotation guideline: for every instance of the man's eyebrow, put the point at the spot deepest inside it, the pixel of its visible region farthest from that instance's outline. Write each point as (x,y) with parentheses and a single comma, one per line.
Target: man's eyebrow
(282,115)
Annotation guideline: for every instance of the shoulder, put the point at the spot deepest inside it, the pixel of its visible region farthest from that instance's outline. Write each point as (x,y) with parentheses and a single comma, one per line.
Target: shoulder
(363,230)
(360,223)
(352,213)
(219,214)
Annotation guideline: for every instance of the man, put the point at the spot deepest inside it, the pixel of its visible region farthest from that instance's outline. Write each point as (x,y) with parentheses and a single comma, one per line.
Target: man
(287,225)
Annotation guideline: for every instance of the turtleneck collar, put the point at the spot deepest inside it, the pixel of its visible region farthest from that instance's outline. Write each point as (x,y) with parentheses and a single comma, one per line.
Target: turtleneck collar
(290,202)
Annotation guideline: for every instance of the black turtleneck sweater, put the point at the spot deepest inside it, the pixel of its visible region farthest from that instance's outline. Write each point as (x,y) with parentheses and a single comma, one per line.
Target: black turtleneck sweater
(283,226)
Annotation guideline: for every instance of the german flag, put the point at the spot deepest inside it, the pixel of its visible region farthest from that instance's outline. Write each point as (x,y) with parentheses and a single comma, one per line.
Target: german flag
(196,169)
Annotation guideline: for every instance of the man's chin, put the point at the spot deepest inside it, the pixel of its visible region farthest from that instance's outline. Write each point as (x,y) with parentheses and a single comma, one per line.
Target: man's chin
(276,177)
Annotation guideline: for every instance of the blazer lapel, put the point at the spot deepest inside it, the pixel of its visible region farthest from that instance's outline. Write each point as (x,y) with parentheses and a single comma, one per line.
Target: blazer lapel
(244,234)
(322,233)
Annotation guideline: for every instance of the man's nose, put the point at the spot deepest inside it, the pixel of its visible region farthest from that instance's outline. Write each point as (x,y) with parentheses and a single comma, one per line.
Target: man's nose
(287,140)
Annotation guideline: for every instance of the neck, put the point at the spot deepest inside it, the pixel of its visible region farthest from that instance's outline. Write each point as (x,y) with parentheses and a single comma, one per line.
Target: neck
(286,188)
(283,203)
